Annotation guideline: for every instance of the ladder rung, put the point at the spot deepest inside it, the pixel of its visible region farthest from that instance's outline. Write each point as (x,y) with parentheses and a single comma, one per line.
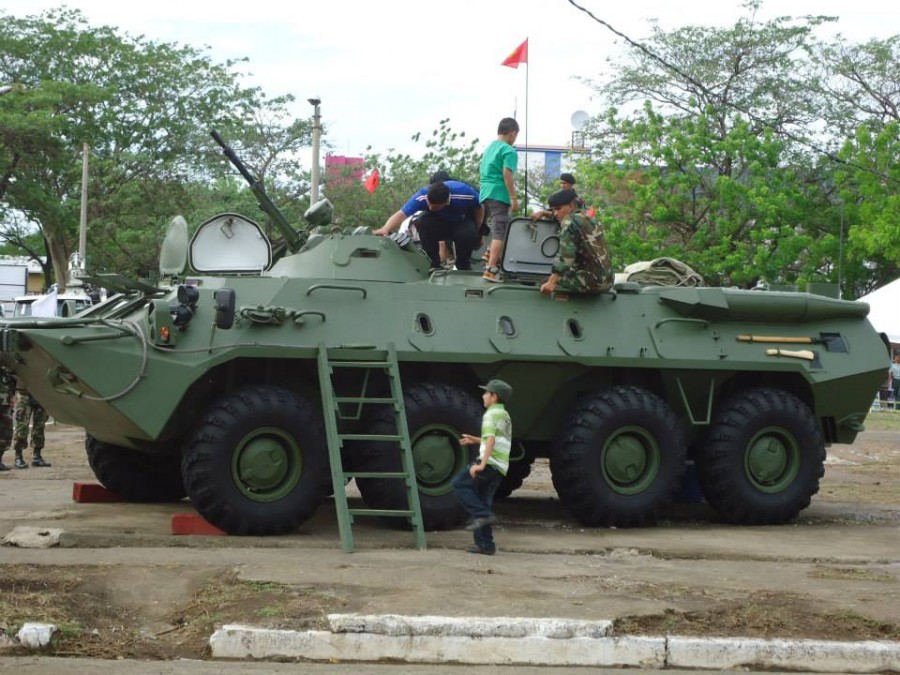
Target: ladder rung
(375,474)
(359,364)
(362,399)
(380,512)
(370,437)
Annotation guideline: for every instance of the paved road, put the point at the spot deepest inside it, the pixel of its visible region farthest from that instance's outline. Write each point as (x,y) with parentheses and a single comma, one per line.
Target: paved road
(51,666)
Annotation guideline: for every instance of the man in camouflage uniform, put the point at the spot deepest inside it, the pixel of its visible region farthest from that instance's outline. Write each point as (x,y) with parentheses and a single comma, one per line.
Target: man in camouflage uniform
(28,409)
(582,262)
(7,394)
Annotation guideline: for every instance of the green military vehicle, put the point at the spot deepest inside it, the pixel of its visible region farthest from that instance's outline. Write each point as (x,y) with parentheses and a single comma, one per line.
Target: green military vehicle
(258,380)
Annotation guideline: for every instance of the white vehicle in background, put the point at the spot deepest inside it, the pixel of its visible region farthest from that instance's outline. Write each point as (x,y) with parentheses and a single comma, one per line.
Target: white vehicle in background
(68,303)
(13,283)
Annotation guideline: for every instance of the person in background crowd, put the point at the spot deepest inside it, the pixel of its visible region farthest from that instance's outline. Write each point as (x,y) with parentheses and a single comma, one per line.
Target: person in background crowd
(895,377)
(28,410)
(566,182)
(7,398)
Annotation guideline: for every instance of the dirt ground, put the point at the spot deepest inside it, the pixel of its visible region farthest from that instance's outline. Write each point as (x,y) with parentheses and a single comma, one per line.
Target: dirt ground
(121,586)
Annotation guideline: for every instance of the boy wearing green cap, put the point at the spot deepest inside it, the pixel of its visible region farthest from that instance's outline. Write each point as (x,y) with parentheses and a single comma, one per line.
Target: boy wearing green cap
(476,484)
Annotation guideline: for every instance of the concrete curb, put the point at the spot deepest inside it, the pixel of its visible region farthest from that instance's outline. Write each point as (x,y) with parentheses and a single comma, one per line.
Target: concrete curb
(460,626)
(239,642)
(821,656)
(540,642)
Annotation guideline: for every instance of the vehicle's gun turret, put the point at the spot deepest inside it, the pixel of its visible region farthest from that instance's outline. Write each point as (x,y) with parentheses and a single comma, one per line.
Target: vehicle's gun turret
(291,237)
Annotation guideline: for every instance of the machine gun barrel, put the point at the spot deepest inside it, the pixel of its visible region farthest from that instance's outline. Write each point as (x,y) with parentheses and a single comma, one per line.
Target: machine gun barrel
(292,238)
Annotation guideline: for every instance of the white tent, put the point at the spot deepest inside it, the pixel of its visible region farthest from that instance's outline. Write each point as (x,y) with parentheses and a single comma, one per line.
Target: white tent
(885,309)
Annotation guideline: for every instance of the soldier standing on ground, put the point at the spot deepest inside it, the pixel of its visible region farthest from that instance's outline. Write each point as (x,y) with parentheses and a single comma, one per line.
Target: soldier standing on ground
(7,396)
(29,410)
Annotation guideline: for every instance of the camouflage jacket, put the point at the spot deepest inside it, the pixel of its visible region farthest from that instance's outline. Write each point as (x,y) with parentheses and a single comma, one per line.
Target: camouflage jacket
(582,262)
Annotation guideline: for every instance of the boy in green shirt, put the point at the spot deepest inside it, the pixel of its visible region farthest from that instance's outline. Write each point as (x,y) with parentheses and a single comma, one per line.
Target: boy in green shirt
(498,190)
(476,484)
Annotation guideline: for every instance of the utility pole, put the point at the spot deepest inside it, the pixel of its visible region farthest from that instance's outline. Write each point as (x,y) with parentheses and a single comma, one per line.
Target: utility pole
(316,139)
(82,229)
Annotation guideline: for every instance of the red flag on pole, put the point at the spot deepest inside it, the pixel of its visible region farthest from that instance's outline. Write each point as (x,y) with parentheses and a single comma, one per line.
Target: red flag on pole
(519,55)
(372,181)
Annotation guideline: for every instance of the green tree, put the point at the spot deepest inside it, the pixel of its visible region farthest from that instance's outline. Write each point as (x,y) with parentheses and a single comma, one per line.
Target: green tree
(402,175)
(145,109)
(719,165)
(862,92)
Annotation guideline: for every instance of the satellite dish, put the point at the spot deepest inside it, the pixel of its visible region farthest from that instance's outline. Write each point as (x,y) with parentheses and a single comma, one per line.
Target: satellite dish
(579,119)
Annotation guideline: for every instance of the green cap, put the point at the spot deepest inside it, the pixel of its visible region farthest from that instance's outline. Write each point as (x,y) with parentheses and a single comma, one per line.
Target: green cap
(499,387)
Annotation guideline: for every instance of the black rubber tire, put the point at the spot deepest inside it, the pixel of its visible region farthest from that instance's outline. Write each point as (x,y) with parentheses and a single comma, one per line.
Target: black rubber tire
(518,471)
(235,438)
(437,414)
(606,434)
(755,432)
(135,476)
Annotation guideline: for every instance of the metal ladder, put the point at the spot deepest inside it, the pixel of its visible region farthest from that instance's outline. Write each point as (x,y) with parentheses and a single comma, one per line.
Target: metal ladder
(369,360)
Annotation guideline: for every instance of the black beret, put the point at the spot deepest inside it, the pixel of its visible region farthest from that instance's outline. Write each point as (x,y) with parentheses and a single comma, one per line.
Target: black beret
(567,178)
(562,198)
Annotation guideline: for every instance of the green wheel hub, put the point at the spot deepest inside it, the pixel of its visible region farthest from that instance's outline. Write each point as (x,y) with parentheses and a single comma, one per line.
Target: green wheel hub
(266,464)
(772,459)
(630,460)
(438,457)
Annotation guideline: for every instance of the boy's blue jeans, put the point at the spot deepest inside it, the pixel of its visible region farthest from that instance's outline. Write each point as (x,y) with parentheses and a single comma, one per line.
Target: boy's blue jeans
(476,496)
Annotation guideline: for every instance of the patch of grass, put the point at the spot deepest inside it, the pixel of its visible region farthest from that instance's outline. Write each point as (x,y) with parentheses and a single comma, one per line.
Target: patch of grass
(91,624)
(263,585)
(876,630)
(767,616)
(852,574)
(883,420)
(70,629)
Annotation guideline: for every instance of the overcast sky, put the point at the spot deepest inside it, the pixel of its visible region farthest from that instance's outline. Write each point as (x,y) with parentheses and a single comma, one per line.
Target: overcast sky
(387,69)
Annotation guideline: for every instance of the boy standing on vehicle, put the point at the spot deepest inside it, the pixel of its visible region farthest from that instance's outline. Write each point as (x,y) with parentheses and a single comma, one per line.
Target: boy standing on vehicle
(476,484)
(498,190)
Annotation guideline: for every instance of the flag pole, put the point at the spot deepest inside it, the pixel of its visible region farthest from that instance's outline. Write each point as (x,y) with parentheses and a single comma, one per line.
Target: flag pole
(519,56)
(527,120)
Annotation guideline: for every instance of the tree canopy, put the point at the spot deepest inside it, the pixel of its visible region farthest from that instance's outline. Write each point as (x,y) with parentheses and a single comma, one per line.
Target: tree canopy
(754,151)
(145,110)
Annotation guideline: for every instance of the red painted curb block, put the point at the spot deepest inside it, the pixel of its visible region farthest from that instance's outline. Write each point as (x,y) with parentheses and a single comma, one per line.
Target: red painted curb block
(191,523)
(92,493)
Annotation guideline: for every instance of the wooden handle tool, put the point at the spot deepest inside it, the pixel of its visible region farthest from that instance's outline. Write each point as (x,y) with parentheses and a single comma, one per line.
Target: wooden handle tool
(806,354)
(799,340)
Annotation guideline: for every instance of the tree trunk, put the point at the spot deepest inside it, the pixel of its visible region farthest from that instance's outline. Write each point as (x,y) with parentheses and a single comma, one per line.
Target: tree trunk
(56,251)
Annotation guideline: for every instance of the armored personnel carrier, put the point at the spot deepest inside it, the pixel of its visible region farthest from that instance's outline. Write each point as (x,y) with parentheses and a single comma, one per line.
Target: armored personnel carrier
(211,381)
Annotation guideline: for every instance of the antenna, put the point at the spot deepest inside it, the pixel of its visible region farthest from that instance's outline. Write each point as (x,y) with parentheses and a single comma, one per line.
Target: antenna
(579,119)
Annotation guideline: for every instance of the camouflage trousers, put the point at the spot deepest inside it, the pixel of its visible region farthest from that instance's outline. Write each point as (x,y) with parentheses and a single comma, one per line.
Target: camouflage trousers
(28,410)
(6,427)
(584,281)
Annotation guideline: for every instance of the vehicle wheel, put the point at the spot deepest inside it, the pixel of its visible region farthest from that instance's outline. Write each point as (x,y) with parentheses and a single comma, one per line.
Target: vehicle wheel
(437,415)
(258,463)
(135,476)
(518,471)
(620,457)
(762,458)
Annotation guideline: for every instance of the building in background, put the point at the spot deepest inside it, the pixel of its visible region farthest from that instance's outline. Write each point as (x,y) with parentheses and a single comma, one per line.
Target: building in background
(339,168)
